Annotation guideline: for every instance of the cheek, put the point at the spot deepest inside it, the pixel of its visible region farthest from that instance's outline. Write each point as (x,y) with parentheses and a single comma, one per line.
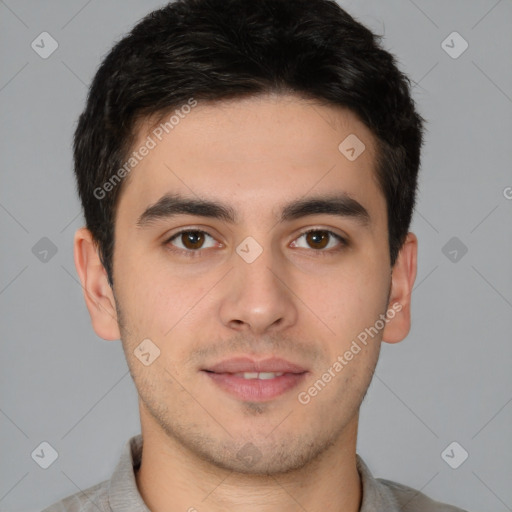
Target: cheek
(349,298)
(162,306)
(143,300)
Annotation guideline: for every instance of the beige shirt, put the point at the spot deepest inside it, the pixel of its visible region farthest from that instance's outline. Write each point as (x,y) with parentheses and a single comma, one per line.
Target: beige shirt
(120,493)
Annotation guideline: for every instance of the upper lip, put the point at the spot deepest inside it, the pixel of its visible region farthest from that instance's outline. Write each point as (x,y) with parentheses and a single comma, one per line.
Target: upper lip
(246,364)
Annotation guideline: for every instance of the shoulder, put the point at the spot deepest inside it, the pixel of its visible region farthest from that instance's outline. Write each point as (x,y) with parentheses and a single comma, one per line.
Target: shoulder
(412,500)
(93,499)
(381,494)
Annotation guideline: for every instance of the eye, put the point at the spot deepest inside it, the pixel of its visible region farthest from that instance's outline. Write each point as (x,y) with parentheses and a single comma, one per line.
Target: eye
(320,239)
(189,241)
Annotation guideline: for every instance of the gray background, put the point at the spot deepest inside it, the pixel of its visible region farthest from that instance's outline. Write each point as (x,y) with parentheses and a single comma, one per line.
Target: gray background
(450,380)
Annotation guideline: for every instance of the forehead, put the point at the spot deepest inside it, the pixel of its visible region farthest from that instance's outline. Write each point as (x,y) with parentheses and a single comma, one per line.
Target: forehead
(250,152)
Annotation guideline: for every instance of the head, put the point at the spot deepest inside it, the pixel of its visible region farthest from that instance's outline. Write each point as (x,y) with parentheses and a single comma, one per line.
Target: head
(240,112)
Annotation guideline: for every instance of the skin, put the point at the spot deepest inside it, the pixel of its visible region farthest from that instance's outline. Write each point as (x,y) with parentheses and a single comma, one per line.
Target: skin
(292,302)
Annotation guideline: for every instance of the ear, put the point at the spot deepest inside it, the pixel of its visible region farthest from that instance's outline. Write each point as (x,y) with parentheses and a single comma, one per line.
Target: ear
(402,281)
(98,294)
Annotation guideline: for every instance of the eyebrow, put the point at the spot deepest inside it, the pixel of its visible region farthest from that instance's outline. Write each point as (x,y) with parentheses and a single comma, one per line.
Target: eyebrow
(171,205)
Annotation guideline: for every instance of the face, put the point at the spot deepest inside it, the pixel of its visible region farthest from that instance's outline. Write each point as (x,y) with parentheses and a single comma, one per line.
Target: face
(262,282)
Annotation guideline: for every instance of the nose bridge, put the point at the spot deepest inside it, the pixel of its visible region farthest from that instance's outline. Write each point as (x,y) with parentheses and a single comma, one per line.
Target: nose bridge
(256,297)
(258,275)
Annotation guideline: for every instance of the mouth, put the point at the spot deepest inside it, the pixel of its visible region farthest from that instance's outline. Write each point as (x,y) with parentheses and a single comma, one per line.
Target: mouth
(256,375)
(256,381)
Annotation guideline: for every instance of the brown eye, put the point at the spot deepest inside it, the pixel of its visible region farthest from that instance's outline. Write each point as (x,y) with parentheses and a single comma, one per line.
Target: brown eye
(190,241)
(318,239)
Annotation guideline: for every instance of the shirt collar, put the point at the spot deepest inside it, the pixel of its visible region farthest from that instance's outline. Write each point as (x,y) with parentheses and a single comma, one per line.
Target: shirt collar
(375,496)
(123,494)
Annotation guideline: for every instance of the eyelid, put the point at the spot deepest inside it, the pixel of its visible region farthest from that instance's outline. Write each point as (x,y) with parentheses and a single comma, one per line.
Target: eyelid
(195,229)
(342,239)
(327,230)
(189,252)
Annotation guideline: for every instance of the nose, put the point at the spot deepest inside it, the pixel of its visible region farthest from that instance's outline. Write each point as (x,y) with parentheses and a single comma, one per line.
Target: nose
(257,296)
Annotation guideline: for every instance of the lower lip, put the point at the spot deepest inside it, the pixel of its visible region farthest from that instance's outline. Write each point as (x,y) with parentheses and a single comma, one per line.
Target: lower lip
(256,390)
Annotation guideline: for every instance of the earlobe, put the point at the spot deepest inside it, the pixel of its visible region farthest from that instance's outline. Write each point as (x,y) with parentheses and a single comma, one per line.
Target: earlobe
(402,282)
(98,294)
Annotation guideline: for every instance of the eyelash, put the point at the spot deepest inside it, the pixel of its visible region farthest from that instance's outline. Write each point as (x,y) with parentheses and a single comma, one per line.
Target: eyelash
(198,252)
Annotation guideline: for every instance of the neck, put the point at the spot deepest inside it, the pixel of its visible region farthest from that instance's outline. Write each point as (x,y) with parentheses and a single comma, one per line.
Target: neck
(172,479)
